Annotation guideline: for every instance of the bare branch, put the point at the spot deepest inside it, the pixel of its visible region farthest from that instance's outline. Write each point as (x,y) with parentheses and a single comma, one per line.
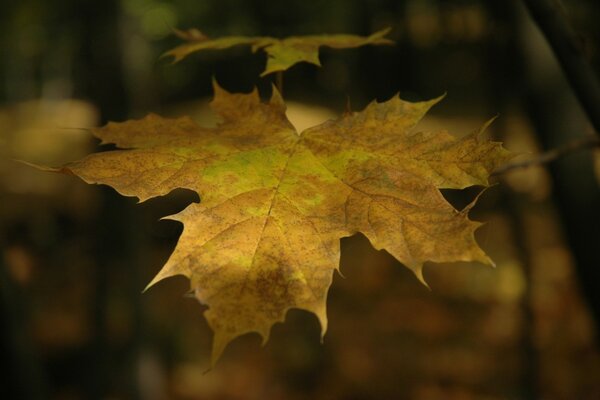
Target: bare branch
(570,147)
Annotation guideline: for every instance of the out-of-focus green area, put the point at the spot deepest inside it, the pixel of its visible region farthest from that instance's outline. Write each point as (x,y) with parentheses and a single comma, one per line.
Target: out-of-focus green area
(74,258)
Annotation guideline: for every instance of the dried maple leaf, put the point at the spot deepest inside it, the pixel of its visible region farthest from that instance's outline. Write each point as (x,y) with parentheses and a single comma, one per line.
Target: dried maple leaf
(275,203)
(281,53)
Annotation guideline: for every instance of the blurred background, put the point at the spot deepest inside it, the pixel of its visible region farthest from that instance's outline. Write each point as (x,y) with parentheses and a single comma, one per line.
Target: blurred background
(74,258)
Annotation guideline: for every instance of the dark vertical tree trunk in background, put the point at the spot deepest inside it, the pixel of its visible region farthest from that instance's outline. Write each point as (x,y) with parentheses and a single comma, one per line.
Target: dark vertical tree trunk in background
(99,78)
(27,380)
(99,74)
(503,86)
(552,19)
(575,185)
(577,197)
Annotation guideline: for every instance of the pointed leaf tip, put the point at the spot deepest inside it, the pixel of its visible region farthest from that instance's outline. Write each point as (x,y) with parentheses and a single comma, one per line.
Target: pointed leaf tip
(276,98)
(379,36)
(483,129)
(418,271)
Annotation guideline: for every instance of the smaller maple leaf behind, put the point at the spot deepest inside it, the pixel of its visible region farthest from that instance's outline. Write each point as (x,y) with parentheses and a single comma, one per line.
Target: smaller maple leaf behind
(282,53)
(274,203)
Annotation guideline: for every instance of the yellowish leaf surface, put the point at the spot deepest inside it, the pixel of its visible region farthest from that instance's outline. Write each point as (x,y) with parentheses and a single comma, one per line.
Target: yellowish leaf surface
(274,202)
(282,53)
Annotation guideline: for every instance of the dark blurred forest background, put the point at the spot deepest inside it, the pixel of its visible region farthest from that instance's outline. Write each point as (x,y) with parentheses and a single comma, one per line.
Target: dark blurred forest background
(74,258)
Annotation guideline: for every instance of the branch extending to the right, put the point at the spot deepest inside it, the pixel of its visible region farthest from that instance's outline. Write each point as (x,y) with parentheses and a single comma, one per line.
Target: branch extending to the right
(551,155)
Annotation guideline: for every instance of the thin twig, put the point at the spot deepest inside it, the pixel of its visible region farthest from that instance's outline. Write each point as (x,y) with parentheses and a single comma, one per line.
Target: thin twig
(551,18)
(551,155)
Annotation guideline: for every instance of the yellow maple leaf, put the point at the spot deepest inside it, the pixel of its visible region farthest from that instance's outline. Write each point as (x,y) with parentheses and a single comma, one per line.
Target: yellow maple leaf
(275,203)
(282,53)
